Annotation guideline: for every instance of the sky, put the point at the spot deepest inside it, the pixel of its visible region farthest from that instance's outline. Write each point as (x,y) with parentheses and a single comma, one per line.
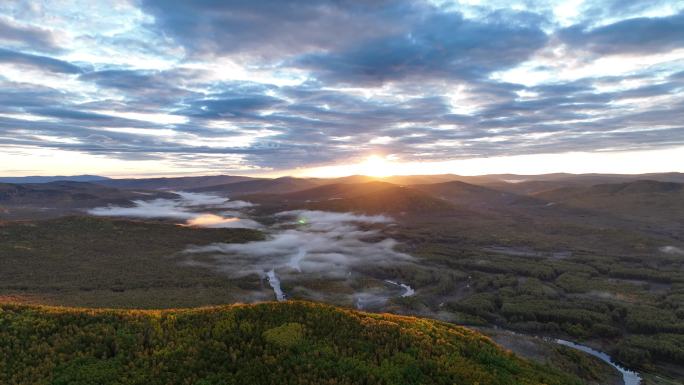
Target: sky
(331,88)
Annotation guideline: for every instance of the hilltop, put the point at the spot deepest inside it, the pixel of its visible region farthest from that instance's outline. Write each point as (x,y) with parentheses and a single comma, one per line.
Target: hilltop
(267,343)
(368,197)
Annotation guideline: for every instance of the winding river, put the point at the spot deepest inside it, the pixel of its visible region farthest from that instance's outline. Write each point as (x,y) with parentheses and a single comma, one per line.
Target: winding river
(274,281)
(628,377)
(408,290)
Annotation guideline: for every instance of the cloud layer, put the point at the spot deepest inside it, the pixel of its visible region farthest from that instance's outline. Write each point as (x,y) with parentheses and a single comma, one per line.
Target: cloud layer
(300,246)
(285,84)
(309,245)
(194,209)
(322,243)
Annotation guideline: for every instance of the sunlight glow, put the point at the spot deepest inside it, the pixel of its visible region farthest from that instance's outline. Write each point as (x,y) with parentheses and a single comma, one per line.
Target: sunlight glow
(619,162)
(377,166)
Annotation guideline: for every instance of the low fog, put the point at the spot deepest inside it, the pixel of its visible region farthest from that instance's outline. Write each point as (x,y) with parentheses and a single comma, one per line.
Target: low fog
(324,243)
(672,250)
(312,245)
(194,209)
(301,246)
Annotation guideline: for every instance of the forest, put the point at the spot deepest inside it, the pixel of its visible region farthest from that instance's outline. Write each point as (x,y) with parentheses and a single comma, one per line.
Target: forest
(269,343)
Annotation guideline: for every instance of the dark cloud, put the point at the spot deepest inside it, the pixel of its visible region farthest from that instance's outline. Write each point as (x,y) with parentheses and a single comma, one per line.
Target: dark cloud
(37,61)
(274,28)
(395,77)
(124,79)
(27,37)
(637,35)
(146,88)
(355,41)
(231,100)
(593,11)
(441,45)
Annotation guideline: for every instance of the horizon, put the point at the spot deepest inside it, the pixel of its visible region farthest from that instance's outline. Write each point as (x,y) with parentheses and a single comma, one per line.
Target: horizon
(328,89)
(394,191)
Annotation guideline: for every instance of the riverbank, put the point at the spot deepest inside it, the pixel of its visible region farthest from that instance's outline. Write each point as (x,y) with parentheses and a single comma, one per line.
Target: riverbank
(591,369)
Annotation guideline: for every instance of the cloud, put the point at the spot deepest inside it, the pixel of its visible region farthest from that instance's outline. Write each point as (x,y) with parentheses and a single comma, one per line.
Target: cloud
(237,205)
(321,244)
(346,250)
(193,208)
(272,28)
(27,37)
(672,250)
(634,36)
(441,45)
(147,88)
(199,199)
(291,84)
(229,107)
(37,61)
(157,208)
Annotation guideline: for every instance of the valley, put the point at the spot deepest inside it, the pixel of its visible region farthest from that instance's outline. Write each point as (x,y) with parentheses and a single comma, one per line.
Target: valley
(479,255)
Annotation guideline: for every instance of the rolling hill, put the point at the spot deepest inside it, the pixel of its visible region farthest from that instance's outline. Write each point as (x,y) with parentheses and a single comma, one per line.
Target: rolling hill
(55,178)
(473,196)
(178,183)
(370,198)
(535,184)
(274,186)
(642,200)
(268,343)
(63,194)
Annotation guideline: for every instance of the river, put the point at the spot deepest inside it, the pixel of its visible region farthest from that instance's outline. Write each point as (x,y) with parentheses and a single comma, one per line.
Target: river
(274,281)
(408,290)
(628,377)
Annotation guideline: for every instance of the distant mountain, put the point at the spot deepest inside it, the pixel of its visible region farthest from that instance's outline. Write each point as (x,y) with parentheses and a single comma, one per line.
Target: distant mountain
(534,184)
(473,196)
(531,187)
(47,179)
(176,183)
(592,178)
(614,190)
(67,194)
(370,197)
(272,186)
(346,179)
(645,200)
(421,179)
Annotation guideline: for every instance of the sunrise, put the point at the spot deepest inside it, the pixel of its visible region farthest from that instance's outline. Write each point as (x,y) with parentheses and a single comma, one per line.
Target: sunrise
(214,192)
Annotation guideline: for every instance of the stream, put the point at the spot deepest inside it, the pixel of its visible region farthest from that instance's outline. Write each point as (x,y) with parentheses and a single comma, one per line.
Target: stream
(408,290)
(628,377)
(274,281)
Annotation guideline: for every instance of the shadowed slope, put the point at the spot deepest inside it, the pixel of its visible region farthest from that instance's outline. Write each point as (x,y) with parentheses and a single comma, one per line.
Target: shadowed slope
(68,194)
(644,200)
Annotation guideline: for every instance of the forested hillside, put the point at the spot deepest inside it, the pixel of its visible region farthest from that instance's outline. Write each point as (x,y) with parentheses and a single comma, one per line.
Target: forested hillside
(268,343)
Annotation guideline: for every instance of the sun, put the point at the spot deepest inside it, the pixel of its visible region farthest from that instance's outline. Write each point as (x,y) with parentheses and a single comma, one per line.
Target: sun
(376,166)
